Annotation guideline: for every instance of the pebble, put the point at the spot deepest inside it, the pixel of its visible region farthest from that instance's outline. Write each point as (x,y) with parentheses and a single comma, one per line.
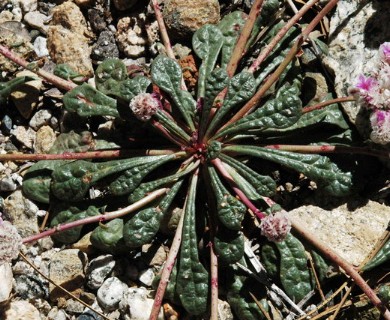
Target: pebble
(6,124)
(224,310)
(36,20)
(25,135)
(21,310)
(105,47)
(40,118)
(122,5)
(111,293)
(6,281)
(98,270)
(96,19)
(7,184)
(67,269)
(57,314)
(146,277)
(40,47)
(28,5)
(22,213)
(183,17)
(30,287)
(44,140)
(137,305)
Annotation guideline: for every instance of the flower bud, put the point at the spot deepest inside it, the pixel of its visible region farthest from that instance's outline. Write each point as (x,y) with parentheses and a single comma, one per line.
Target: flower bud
(275,226)
(144,106)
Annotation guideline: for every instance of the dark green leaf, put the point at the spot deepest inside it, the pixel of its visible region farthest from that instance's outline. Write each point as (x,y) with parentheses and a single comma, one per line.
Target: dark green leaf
(229,245)
(65,71)
(382,256)
(87,101)
(108,76)
(130,88)
(109,237)
(271,260)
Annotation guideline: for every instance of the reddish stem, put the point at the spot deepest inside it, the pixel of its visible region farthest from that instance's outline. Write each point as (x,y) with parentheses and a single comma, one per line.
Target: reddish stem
(49,77)
(282,32)
(239,49)
(214,282)
(219,165)
(100,218)
(327,103)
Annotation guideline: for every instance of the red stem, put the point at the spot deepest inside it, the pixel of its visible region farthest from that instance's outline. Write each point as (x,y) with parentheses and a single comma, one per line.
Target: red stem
(219,165)
(214,282)
(49,77)
(100,218)
(327,103)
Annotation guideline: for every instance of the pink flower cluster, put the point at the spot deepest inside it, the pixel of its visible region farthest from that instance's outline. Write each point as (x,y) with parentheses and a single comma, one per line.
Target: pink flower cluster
(275,226)
(373,93)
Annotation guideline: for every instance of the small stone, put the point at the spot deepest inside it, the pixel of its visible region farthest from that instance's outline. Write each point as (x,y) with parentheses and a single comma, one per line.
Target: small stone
(25,136)
(30,287)
(44,140)
(97,20)
(73,306)
(224,311)
(40,118)
(184,17)
(146,277)
(67,269)
(21,310)
(5,16)
(138,304)
(40,47)
(160,257)
(68,47)
(6,124)
(22,213)
(111,293)
(37,20)
(57,314)
(6,281)
(7,184)
(28,5)
(105,47)
(98,270)
(122,5)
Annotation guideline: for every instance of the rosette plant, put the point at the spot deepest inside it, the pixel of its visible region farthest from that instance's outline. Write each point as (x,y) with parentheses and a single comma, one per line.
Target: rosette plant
(206,152)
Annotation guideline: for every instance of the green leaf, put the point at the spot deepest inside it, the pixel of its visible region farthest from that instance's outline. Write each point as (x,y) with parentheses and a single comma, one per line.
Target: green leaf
(264,185)
(230,210)
(322,266)
(270,259)
(65,213)
(86,101)
(314,166)
(231,26)
(382,256)
(71,181)
(294,273)
(130,88)
(167,75)
(65,71)
(281,112)
(36,181)
(109,237)
(6,88)
(192,277)
(240,89)
(206,42)
(142,227)
(108,76)
(229,245)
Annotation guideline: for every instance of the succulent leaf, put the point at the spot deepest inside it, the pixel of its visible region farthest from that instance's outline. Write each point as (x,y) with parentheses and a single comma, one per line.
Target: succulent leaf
(108,76)
(229,245)
(109,237)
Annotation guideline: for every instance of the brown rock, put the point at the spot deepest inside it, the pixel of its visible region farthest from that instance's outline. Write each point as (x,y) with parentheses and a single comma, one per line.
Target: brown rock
(69,47)
(67,268)
(184,17)
(44,139)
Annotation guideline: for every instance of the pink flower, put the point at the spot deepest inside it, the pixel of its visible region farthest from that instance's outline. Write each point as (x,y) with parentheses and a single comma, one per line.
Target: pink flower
(366,83)
(144,106)
(384,51)
(380,124)
(275,226)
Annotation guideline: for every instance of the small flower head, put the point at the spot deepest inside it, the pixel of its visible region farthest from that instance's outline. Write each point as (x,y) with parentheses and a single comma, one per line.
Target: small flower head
(275,226)
(144,106)
(380,124)
(384,52)
(10,242)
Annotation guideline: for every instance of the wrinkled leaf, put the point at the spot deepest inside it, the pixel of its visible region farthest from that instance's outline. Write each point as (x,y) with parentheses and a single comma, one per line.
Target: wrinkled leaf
(108,237)
(130,88)
(65,71)
(294,273)
(86,101)
(382,256)
(229,245)
(271,260)
(108,76)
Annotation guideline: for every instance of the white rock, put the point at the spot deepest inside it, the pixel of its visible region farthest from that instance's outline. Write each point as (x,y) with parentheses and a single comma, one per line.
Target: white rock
(40,118)
(224,311)
(56,314)
(111,293)
(44,140)
(40,47)
(24,135)
(146,277)
(21,310)
(28,5)
(6,277)
(37,20)
(139,305)
(98,269)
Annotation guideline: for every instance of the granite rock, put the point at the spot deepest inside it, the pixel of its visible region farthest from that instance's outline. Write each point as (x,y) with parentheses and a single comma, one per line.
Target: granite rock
(98,270)
(111,293)
(6,282)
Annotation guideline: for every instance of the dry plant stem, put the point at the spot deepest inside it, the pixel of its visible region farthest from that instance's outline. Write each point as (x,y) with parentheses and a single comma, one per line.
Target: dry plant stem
(346,266)
(100,218)
(282,32)
(163,29)
(265,313)
(49,77)
(219,165)
(106,154)
(171,260)
(62,288)
(239,49)
(313,269)
(289,57)
(327,103)
(342,302)
(214,282)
